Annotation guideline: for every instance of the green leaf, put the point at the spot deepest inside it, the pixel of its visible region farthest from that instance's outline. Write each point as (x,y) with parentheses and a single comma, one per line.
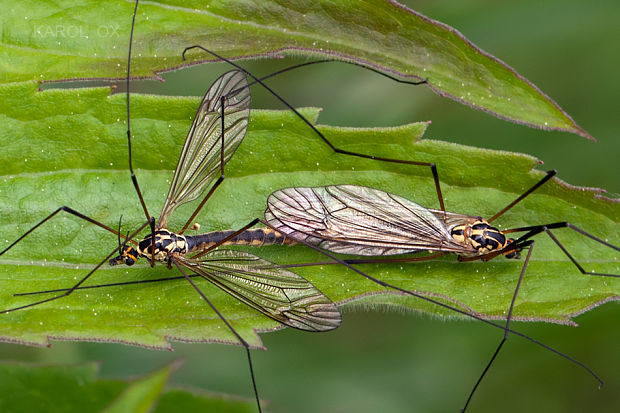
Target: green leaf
(76,388)
(141,395)
(32,388)
(66,40)
(173,401)
(68,147)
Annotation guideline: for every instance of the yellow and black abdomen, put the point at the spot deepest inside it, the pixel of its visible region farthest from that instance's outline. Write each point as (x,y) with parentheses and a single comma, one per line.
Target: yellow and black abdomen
(256,237)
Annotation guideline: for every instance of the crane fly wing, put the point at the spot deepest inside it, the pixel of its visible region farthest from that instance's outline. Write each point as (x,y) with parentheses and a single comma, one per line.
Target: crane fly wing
(358,220)
(452,219)
(276,292)
(200,159)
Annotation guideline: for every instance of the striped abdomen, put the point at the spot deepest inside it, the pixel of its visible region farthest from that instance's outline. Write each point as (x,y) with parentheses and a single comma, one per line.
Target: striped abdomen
(256,237)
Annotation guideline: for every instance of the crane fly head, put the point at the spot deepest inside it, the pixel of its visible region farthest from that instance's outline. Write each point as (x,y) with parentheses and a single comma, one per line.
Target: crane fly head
(127,255)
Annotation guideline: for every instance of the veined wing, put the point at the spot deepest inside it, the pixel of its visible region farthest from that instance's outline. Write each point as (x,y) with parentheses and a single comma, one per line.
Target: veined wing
(200,159)
(358,220)
(276,292)
(452,219)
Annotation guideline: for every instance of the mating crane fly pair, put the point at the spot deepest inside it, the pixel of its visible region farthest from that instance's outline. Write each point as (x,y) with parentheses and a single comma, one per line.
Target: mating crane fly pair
(342,219)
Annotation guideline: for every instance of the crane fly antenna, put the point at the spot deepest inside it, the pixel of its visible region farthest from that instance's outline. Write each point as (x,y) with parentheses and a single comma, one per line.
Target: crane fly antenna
(120,248)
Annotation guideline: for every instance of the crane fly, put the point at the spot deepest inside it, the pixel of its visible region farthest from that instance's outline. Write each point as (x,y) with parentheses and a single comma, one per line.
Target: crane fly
(284,296)
(218,128)
(358,220)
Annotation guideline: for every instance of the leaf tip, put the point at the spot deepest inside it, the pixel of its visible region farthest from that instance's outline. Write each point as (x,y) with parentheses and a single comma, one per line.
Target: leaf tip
(584,133)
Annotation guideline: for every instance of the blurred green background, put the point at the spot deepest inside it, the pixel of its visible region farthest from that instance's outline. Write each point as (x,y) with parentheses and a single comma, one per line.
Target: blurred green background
(402,362)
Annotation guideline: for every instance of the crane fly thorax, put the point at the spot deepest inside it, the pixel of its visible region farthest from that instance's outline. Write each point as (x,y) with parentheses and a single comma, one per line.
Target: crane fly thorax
(481,236)
(166,244)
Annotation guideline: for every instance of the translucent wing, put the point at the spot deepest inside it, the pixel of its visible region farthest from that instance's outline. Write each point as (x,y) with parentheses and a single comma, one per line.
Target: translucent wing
(351,219)
(451,219)
(201,156)
(276,292)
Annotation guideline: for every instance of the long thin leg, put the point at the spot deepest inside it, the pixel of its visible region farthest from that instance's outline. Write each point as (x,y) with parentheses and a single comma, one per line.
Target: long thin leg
(77,285)
(537,229)
(222,176)
(367,261)
(230,327)
(297,66)
(70,211)
(215,185)
(550,174)
(163,279)
(134,180)
(127,94)
(315,130)
(90,287)
(440,304)
(308,264)
(506,331)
